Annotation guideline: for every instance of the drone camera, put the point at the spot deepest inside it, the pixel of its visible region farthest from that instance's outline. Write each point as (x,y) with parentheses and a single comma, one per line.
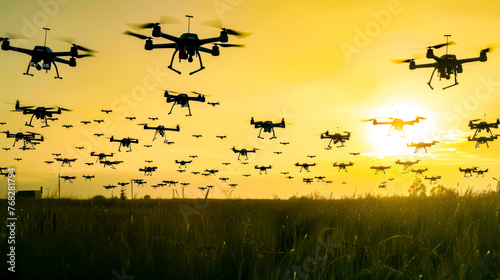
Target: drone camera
(460,68)
(33,64)
(149,45)
(46,66)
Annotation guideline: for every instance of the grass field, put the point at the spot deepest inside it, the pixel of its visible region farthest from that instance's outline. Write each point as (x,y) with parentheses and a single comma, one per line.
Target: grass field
(442,237)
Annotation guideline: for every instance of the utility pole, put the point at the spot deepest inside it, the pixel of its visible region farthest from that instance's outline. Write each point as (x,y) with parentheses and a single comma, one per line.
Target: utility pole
(59,185)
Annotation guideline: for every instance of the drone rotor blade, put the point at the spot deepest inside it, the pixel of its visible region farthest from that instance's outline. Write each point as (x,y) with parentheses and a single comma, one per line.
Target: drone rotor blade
(140,36)
(438,46)
(231,45)
(71,41)
(84,55)
(163,20)
(217,24)
(368,120)
(401,61)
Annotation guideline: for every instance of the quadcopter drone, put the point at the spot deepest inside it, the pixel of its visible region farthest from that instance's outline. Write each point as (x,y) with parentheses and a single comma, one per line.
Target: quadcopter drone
(483,125)
(46,56)
(188,44)
(39,112)
(336,138)
(183,99)
(396,123)
(161,130)
(267,126)
(447,64)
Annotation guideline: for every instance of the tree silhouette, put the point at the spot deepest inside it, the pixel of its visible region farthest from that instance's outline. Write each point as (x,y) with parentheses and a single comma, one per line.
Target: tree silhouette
(417,188)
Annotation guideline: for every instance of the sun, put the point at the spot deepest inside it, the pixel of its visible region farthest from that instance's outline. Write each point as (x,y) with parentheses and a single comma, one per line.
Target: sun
(391,141)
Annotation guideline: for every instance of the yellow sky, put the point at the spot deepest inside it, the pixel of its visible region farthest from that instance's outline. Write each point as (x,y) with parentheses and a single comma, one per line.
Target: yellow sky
(319,64)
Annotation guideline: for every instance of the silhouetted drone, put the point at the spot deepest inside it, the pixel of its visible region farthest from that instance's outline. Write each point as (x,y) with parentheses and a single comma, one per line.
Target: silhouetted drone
(106,111)
(39,112)
(130,118)
(148,170)
(211,171)
(48,161)
(153,118)
(305,166)
(483,125)
(183,99)
(263,168)
(67,125)
(447,64)
(285,143)
(308,181)
(66,161)
(45,55)
(68,178)
(101,156)
(267,126)
(213,103)
(161,130)
(396,123)
(197,135)
(27,137)
(139,182)
(88,177)
(336,138)
(320,178)
(480,172)
(419,171)
(188,44)
(482,140)
(85,122)
(380,168)
(125,142)
(243,152)
(421,145)
(221,136)
(342,166)
(433,179)
(467,171)
(110,163)
(183,163)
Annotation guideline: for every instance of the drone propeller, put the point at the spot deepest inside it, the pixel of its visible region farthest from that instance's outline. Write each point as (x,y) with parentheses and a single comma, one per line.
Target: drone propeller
(163,20)
(71,41)
(201,93)
(400,61)
(85,55)
(438,46)
(475,120)
(421,118)
(368,120)
(140,36)
(217,24)
(230,45)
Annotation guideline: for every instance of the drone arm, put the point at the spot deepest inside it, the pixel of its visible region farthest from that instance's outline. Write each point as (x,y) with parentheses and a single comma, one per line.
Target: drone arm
(21,50)
(466,60)
(427,65)
(55,54)
(209,40)
(169,37)
(164,46)
(206,50)
(57,59)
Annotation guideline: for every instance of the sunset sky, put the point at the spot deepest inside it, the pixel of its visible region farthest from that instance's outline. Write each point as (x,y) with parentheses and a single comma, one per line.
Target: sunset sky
(319,64)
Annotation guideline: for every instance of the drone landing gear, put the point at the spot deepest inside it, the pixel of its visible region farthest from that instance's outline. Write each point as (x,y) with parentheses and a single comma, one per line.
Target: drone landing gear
(27,71)
(201,64)
(432,75)
(57,72)
(172,62)
(456,83)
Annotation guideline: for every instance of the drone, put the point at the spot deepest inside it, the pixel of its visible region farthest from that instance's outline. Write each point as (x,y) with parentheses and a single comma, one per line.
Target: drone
(483,125)
(89,163)
(98,121)
(130,118)
(433,179)
(183,163)
(224,179)
(139,182)
(419,171)
(67,125)
(320,178)
(123,184)
(342,166)
(226,163)
(185,184)
(308,181)
(285,173)
(68,178)
(18,159)
(213,103)
(27,137)
(267,126)
(48,161)
(311,156)
(88,177)
(396,123)
(148,170)
(153,118)
(188,44)
(285,143)
(278,153)
(66,161)
(355,154)
(79,147)
(336,138)
(38,112)
(85,122)
(46,56)
(221,136)
(380,168)
(289,177)
(197,135)
(193,156)
(125,142)
(480,172)
(161,130)
(109,187)
(106,111)
(232,185)
(263,168)
(382,185)
(211,171)
(243,152)
(421,145)
(246,175)
(183,99)
(407,164)
(101,156)
(305,166)
(447,64)
(110,163)
(482,140)
(467,171)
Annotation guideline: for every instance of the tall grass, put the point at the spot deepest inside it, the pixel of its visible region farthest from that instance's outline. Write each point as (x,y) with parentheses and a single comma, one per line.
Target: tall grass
(443,237)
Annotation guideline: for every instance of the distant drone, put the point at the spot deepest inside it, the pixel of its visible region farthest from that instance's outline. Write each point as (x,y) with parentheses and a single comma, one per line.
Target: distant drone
(183,99)
(188,44)
(27,137)
(483,125)
(380,168)
(467,171)
(336,138)
(433,179)
(267,126)
(407,164)
(39,112)
(305,166)
(421,145)
(419,171)
(482,140)
(45,55)
(396,123)
(447,64)
(66,161)
(161,130)
(243,152)
(342,166)
(125,142)
(263,168)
